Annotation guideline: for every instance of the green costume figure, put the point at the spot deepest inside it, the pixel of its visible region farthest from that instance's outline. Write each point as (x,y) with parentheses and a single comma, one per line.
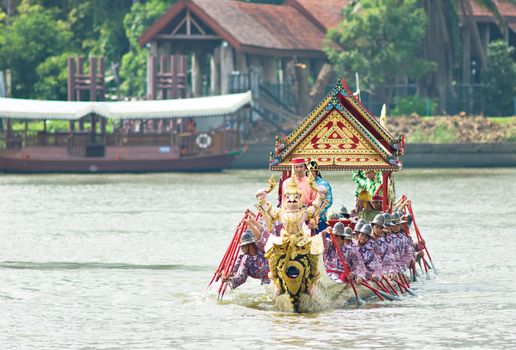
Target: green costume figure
(372,209)
(368,180)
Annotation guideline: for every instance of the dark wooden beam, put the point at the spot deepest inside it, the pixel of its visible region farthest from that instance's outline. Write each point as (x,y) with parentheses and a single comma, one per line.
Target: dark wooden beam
(187,37)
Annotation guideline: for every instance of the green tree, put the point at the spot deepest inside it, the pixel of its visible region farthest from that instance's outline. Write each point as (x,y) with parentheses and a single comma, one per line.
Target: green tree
(133,70)
(28,39)
(499,80)
(52,83)
(452,38)
(380,39)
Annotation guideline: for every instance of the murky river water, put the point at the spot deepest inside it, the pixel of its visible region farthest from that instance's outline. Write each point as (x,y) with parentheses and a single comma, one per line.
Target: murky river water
(122,261)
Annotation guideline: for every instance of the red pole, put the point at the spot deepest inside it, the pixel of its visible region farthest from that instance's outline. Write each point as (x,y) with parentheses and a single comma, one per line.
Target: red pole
(346,268)
(390,285)
(385,185)
(375,291)
(229,251)
(234,254)
(382,287)
(418,233)
(222,263)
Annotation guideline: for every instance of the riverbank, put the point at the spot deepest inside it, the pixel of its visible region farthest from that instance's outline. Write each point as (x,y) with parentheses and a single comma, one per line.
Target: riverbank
(422,155)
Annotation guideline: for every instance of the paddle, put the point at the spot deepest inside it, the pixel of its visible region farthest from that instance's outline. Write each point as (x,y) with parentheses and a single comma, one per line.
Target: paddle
(375,291)
(235,253)
(381,294)
(346,268)
(406,286)
(390,286)
(229,251)
(418,233)
(382,287)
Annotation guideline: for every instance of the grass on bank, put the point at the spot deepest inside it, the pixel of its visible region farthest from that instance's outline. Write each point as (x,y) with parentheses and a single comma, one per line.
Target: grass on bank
(442,130)
(454,129)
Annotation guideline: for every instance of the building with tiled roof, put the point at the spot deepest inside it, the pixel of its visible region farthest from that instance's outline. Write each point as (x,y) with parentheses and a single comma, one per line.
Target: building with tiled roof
(228,36)
(228,42)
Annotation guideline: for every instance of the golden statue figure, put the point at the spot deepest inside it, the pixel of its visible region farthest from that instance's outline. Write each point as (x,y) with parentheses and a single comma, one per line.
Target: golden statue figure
(293,255)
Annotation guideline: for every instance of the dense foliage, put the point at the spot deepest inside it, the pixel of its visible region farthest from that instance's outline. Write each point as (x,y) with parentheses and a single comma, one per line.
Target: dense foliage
(380,39)
(40,35)
(499,80)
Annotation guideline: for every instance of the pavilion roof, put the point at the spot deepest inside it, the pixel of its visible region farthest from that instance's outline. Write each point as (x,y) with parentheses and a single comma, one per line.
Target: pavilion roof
(340,134)
(507,11)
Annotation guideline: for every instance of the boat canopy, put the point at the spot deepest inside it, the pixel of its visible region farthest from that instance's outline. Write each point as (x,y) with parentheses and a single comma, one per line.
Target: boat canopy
(340,134)
(177,108)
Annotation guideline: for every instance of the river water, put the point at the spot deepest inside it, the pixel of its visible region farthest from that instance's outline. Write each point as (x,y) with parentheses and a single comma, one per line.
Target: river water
(122,262)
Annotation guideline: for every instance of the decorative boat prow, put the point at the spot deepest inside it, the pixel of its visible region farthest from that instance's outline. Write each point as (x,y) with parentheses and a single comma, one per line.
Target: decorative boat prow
(293,255)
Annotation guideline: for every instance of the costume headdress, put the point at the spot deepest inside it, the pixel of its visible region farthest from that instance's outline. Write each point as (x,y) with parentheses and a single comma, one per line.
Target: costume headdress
(364,197)
(292,186)
(312,165)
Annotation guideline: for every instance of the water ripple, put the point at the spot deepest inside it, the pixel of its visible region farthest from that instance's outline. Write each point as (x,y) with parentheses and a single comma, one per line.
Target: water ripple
(59,265)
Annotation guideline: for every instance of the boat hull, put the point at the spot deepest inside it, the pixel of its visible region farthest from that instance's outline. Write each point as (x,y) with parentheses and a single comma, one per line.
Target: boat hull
(130,162)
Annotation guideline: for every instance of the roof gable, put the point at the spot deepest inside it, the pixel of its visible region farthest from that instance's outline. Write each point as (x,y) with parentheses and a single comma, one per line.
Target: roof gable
(327,13)
(340,134)
(247,26)
(506,9)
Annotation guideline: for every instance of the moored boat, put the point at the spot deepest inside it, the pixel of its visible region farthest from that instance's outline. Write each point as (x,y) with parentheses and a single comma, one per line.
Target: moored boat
(198,134)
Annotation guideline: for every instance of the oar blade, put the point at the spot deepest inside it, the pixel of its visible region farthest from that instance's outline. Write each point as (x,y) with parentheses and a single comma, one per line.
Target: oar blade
(433,267)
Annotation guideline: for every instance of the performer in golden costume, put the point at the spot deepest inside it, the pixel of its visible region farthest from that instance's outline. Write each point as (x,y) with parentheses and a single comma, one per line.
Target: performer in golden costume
(293,255)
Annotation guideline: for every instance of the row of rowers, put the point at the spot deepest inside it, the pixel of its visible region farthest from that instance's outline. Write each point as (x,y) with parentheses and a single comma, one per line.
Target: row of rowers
(373,251)
(381,249)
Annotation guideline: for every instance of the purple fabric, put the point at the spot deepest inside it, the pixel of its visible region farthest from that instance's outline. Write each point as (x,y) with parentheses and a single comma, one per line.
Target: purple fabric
(264,235)
(371,261)
(385,252)
(350,254)
(407,253)
(250,266)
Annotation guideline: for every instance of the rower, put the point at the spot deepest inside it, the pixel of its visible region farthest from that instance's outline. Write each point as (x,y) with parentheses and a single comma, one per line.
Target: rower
(371,261)
(342,214)
(332,260)
(405,246)
(382,249)
(406,222)
(392,240)
(356,231)
(251,263)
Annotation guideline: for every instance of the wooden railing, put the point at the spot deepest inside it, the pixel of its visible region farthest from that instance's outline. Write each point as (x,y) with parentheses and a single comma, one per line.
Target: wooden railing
(76,144)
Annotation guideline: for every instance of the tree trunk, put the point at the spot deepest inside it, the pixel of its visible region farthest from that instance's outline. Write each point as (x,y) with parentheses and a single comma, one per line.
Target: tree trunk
(472,26)
(304,102)
(326,74)
(466,58)
(438,47)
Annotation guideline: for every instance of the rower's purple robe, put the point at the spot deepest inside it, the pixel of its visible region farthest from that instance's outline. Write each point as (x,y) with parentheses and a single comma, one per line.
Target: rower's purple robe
(385,253)
(407,253)
(248,265)
(371,261)
(332,261)
(255,266)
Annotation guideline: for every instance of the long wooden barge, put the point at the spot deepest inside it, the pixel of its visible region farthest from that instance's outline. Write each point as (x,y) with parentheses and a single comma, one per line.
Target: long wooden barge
(189,135)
